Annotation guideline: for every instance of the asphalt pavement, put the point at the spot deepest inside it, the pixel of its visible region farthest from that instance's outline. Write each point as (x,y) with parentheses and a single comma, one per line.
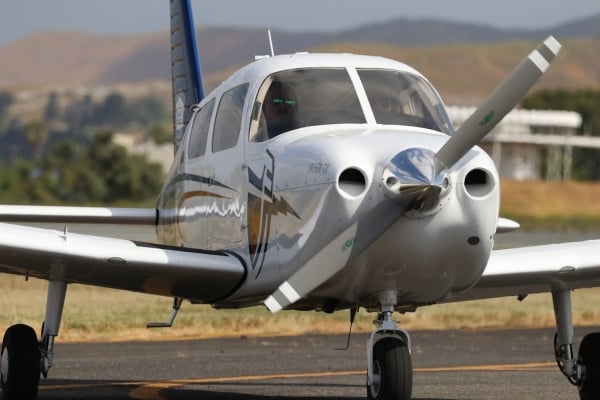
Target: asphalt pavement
(456,364)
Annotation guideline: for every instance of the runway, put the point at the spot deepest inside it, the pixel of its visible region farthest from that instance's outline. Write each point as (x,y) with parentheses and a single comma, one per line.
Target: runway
(457,365)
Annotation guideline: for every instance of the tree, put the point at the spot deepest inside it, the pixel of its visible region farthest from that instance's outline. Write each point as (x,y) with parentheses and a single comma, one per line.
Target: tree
(66,162)
(586,162)
(127,177)
(147,110)
(112,112)
(6,100)
(160,135)
(99,173)
(52,111)
(79,114)
(36,134)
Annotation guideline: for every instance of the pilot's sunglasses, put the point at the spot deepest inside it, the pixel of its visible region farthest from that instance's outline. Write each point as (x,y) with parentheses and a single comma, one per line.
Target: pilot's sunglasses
(286,102)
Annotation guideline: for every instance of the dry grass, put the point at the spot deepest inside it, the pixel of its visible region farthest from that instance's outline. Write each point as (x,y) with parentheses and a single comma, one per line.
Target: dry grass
(556,205)
(97,314)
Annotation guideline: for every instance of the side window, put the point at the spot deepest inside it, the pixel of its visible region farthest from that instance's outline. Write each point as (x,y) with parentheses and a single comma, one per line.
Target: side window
(228,122)
(197,146)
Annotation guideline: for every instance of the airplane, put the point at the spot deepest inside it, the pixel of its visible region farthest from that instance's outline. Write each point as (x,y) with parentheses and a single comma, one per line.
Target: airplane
(311,182)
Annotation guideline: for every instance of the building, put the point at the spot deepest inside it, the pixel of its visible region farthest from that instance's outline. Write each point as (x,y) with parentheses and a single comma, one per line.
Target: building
(532,144)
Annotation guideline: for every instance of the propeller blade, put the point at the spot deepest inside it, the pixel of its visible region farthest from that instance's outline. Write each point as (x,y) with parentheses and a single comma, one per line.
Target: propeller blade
(316,271)
(499,103)
(334,256)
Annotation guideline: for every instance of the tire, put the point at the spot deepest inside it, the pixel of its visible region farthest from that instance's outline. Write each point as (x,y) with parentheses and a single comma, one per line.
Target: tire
(392,371)
(589,356)
(20,363)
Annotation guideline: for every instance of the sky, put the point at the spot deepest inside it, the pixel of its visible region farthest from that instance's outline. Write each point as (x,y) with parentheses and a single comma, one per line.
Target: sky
(19,18)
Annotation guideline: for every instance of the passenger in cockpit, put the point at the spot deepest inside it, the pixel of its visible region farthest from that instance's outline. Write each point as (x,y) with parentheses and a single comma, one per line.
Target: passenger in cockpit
(279,108)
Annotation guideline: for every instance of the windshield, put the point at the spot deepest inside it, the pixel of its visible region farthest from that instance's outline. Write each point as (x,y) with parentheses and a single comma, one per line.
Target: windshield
(303,97)
(401,98)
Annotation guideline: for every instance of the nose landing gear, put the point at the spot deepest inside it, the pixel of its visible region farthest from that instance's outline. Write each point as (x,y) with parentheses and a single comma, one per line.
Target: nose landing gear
(389,365)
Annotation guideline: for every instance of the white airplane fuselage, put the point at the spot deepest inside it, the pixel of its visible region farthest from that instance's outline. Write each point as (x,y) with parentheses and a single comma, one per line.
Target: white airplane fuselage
(325,187)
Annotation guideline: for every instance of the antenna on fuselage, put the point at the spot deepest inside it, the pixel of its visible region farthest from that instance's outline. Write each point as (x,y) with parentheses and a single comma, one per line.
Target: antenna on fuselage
(256,58)
(271,43)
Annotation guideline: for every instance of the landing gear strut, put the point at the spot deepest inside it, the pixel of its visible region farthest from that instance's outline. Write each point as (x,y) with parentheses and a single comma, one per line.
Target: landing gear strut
(389,365)
(22,357)
(584,372)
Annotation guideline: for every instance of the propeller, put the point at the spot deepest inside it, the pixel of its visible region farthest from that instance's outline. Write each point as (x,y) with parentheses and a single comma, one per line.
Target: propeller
(416,178)
(498,103)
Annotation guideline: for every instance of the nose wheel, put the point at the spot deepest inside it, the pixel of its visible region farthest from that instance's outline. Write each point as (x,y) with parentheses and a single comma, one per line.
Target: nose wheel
(20,365)
(392,371)
(389,365)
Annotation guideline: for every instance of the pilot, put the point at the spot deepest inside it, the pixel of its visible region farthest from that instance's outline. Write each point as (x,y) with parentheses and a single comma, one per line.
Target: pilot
(383,107)
(381,103)
(279,108)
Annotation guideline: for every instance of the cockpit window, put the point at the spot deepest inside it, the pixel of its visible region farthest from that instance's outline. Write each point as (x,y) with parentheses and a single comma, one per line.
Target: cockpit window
(304,97)
(401,98)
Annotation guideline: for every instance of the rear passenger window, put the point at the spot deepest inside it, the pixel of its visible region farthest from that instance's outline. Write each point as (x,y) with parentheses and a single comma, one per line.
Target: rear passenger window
(228,122)
(200,128)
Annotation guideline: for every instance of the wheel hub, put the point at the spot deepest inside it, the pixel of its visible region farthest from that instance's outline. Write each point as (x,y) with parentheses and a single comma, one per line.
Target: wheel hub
(4,366)
(376,383)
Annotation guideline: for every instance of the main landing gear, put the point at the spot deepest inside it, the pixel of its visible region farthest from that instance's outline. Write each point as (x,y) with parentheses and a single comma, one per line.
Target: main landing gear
(389,365)
(583,372)
(23,358)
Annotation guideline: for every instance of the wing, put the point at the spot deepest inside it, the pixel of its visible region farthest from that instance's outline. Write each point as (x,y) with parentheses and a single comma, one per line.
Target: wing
(65,214)
(536,269)
(201,276)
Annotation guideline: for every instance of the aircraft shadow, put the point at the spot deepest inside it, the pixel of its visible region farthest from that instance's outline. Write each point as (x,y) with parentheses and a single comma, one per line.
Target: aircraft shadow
(55,389)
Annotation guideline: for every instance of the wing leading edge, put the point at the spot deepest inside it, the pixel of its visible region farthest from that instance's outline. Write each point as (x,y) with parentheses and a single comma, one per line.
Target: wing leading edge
(66,214)
(537,269)
(202,276)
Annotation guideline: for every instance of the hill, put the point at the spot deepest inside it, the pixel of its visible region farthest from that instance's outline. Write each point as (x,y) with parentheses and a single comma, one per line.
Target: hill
(458,57)
(466,73)
(78,58)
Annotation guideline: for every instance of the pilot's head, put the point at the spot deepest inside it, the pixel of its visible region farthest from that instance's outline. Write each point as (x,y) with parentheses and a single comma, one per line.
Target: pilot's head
(279,101)
(381,102)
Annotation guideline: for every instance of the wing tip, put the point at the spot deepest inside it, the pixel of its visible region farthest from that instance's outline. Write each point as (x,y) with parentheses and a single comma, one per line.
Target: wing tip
(506,225)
